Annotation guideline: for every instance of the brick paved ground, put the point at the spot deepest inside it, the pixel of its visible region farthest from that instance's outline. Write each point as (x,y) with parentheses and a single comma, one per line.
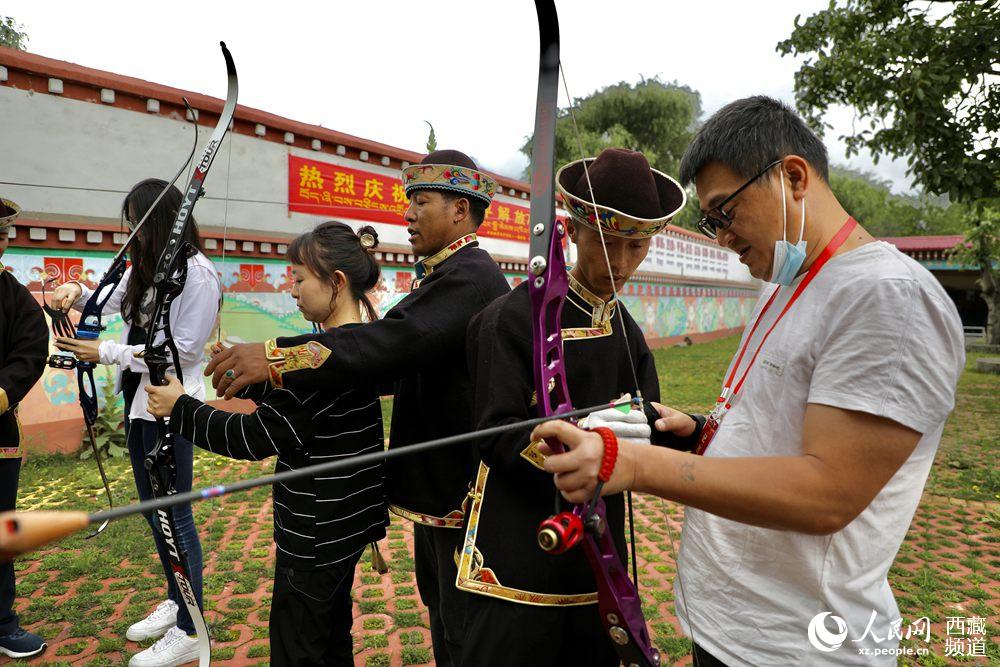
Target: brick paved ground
(82,595)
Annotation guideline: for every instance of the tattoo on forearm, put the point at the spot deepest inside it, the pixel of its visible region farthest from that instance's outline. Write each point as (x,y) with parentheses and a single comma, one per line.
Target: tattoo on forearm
(687,471)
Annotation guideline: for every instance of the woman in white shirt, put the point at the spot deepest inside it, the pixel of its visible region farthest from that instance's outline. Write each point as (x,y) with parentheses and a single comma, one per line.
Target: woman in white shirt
(193,315)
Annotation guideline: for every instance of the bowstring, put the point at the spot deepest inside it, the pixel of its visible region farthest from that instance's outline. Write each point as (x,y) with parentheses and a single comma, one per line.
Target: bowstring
(621,319)
(225,229)
(597,224)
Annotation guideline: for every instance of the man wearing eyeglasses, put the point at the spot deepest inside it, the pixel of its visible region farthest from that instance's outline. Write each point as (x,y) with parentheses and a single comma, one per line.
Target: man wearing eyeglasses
(815,455)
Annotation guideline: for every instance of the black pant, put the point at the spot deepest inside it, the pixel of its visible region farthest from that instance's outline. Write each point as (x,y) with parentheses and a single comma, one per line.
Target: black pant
(10,471)
(703,658)
(499,633)
(434,561)
(141,438)
(311,616)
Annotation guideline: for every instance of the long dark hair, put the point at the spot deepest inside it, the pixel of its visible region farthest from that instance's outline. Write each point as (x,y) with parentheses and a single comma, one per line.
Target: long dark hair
(333,246)
(148,244)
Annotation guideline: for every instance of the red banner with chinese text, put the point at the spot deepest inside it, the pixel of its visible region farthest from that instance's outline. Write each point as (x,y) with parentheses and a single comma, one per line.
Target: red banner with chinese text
(321,188)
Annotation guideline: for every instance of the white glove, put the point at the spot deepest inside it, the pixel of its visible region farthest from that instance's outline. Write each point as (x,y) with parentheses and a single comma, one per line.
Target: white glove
(630,426)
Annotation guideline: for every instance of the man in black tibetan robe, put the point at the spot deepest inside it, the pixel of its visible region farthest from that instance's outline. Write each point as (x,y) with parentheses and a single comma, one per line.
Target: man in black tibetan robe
(24,343)
(532,607)
(419,349)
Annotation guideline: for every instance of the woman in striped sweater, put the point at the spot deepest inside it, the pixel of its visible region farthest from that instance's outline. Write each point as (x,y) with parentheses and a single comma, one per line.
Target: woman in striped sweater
(321,524)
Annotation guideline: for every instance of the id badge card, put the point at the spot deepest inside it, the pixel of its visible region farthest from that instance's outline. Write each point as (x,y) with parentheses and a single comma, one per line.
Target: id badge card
(711,427)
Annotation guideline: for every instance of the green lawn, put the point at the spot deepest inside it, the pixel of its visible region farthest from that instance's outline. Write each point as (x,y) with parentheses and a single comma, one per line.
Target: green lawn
(81,595)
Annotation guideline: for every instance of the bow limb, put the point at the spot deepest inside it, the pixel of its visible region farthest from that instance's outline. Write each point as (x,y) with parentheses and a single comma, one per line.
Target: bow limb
(160,353)
(618,601)
(225,236)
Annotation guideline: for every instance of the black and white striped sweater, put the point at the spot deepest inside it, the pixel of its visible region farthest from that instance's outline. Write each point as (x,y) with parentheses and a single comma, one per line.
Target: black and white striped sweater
(318,521)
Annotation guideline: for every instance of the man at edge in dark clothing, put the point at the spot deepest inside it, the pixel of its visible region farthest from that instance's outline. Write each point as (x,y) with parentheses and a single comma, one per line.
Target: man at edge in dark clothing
(419,348)
(24,346)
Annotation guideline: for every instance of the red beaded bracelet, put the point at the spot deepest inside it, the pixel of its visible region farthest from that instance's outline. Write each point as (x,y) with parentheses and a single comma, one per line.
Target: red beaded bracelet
(610,452)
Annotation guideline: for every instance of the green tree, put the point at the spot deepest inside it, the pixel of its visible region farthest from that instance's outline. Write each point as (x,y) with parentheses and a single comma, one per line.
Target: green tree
(981,247)
(884,214)
(12,35)
(432,142)
(656,118)
(923,79)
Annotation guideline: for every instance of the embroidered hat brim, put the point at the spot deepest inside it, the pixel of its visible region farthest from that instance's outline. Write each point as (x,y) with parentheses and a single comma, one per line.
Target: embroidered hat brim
(453,178)
(8,213)
(659,201)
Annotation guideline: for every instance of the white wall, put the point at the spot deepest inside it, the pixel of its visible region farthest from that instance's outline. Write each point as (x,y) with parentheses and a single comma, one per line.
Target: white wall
(57,141)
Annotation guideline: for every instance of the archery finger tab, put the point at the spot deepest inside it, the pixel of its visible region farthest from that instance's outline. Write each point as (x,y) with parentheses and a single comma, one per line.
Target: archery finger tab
(21,532)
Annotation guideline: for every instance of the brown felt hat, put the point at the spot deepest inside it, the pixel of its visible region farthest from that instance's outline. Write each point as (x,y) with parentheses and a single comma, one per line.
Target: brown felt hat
(633,199)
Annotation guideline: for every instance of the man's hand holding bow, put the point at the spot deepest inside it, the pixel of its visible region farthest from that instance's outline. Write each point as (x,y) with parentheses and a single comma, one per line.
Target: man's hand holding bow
(234,367)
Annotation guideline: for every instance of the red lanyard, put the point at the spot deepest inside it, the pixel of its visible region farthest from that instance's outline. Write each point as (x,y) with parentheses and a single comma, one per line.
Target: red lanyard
(725,400)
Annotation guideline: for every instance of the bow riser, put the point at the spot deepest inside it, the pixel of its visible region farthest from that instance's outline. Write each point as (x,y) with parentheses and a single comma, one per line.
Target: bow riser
(617,599)
(90,328)
(547,291)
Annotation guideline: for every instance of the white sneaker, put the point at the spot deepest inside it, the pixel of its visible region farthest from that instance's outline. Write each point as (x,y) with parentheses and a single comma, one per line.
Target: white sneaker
(156,624)
(173,649)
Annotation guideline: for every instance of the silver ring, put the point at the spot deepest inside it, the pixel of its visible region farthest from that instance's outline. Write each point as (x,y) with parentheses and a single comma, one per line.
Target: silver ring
(231,374)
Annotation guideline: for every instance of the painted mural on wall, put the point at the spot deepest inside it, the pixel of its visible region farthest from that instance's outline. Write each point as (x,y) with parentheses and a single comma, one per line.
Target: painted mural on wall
(257,306)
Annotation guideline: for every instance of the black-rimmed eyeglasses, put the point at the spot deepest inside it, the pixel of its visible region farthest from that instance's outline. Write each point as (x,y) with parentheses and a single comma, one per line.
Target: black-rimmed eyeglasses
(716,218)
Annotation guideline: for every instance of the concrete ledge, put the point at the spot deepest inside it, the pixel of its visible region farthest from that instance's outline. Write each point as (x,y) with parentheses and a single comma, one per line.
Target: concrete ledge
(988,365)
(982,348)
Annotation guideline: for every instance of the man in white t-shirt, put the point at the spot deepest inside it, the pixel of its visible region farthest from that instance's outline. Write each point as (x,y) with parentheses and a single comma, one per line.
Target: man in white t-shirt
(828,420)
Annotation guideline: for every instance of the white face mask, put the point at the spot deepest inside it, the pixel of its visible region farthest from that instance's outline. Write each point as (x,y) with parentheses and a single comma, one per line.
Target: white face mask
(788,258)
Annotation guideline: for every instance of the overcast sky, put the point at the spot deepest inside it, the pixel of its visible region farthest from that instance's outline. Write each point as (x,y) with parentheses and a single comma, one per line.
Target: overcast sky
(378,68)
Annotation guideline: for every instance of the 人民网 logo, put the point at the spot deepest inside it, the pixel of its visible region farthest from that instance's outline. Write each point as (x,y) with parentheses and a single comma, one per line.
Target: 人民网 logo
(821,637)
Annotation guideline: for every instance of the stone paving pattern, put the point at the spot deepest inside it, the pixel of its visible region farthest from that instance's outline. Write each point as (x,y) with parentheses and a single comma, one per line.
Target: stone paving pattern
(83,617)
